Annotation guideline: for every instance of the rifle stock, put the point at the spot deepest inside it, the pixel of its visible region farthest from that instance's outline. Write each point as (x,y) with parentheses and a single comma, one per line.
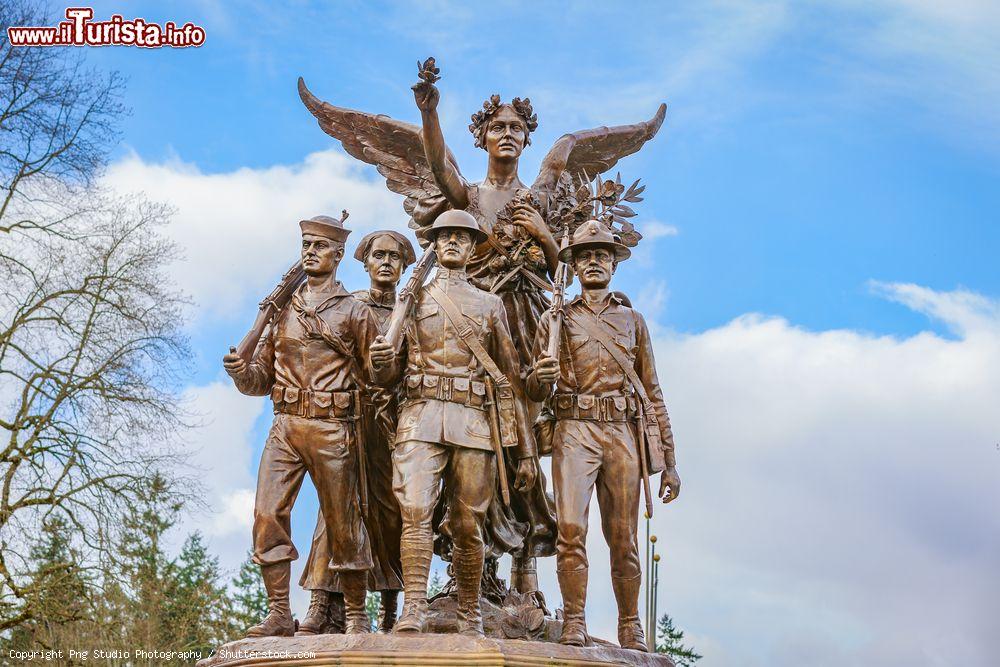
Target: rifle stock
(269,307)
(558,299)
(404,301)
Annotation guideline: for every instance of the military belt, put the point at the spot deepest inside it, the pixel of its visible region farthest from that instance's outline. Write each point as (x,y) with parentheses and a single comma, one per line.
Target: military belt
(463,390)
(618,408)
(314,404)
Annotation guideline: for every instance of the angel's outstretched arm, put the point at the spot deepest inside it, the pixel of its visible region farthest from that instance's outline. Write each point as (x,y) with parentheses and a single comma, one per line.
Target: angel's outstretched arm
(435,150)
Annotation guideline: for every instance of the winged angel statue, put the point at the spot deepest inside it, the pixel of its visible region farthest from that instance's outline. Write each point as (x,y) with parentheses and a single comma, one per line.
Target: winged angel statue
(416,163)
(522,222)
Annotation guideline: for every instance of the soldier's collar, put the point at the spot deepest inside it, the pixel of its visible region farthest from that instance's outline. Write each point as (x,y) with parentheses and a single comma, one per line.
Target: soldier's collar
(610,298)
(451,274)
(329,297)
(382,297)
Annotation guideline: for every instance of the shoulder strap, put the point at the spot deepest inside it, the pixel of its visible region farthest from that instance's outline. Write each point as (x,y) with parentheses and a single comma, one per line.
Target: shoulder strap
(467,333)
(596,331)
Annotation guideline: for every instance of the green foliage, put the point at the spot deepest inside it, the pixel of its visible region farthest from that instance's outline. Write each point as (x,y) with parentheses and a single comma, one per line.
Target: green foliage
(435,586)
(56,594)
(145,599)
(668,642)
(372,602)
(249,598)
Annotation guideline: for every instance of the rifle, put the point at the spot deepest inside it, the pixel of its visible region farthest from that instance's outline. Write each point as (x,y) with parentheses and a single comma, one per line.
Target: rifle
(558,299)
(361,441)
(404,301)
(643,443)
(496,438)
(269,307)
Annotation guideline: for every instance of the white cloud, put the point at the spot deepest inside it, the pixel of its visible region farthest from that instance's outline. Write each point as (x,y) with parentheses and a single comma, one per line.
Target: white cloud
(239,230)
(840,491)
(222,460)
(840,488)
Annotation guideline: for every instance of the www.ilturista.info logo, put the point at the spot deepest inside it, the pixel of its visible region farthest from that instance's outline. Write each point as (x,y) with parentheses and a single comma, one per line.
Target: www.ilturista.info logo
(79,30)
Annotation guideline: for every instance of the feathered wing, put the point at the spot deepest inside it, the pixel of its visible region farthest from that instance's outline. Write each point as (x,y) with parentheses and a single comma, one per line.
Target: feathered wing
(394,147)
(587,153)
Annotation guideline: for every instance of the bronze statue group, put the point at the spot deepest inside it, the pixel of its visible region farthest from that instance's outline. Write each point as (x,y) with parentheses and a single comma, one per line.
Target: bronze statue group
(420,416)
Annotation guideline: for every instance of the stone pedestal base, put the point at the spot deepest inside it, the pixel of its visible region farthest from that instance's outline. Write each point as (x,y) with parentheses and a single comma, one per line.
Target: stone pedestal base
(423,650)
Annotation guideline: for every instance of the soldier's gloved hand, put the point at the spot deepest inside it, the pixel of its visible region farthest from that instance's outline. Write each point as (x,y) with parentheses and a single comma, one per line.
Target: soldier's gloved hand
(670,484)
(527,473)
(234,363)
(380,352)
(547,370)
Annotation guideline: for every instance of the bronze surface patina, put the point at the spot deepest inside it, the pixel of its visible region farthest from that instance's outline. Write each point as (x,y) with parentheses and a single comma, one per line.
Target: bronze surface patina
(519,252)
(420,413)
(308,362)
(604,380)
(385,254)
(457,364)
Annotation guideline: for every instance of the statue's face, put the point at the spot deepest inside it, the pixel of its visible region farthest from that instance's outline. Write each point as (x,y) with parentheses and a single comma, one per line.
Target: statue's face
(453,247)
(594,266)
(506,134)
(320,255)
(384,262)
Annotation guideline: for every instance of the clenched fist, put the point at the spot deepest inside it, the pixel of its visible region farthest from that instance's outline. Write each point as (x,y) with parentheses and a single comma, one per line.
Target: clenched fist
(527,473)
(547,370)
(234,363)
(380,352)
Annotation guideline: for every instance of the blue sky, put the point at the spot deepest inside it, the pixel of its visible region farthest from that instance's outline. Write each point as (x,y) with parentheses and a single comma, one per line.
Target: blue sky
(826,176)
(797,161)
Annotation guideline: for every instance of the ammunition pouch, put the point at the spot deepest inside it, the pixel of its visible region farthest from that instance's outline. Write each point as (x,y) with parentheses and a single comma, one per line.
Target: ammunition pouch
(504,394)
(588,407)
(313,404)
(544,429)
(462,390)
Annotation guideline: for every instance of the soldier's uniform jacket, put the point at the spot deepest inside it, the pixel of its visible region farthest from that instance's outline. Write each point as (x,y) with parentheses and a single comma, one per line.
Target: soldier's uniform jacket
(380,302)
(444,384)
(591,384)
(311,357)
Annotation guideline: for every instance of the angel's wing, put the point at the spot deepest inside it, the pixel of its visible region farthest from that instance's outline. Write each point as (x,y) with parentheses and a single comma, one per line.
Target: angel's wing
(587,153)
(394,147)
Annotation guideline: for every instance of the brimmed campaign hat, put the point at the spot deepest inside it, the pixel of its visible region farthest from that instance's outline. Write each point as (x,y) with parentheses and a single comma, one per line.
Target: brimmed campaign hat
(593,234)
(454,219)
(409,256)
(327,227)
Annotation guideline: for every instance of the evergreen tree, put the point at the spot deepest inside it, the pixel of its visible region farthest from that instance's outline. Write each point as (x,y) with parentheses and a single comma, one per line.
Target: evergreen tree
(248,598)
(196,605)
(668,641)
(56,594)
(435,586)
(372,601)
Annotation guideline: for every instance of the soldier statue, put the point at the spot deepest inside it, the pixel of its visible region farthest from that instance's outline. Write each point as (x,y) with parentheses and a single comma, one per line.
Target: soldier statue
(463,406)
(520,254)
(309,362)
(385,255)
(605,384)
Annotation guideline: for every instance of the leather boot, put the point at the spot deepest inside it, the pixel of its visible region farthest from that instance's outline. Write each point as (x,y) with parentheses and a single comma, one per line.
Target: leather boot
(355,615)
(278,622)
(630,634)
(387,613)
(523,574)
(573,586)
(415,553)
(468,578)
(317,618)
